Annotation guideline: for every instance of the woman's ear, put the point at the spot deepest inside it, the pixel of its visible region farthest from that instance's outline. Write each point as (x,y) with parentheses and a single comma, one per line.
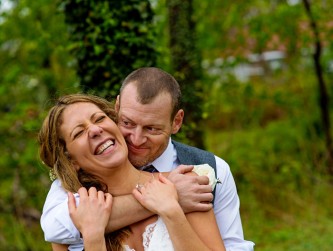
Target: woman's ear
(73,162)
(75,165)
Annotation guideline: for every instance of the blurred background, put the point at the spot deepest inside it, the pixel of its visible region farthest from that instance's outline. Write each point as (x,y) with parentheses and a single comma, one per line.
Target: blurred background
(257,83)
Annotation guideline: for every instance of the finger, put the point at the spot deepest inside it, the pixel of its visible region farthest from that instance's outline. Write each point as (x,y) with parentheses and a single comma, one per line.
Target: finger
(71,202)
(205,197)
(203,207)
(164,179)
(100,195)
(83,192)
(202,180)
(204,189)
(182,169)
(92,192)
(137,195)
(108,199)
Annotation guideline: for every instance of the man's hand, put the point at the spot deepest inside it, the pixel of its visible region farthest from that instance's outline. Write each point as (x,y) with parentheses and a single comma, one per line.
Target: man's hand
(194,192)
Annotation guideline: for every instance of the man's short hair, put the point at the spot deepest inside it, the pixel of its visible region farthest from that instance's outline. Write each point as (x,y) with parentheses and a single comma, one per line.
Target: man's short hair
(152,81)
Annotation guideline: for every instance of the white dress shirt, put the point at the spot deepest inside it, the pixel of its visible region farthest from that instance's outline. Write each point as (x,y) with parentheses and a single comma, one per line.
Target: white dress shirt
(58,227)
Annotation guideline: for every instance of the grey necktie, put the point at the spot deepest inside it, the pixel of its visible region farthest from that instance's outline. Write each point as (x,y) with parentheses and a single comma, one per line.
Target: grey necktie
(150,169)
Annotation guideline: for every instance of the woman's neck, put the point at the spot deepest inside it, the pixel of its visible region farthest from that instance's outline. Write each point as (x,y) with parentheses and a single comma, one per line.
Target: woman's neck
(122,180)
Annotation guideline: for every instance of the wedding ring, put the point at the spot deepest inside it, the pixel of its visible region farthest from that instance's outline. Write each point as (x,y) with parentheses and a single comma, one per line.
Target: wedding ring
(138,187)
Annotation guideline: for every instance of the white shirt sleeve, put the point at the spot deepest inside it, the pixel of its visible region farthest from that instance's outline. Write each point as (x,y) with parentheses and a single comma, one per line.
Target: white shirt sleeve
(56,222)
(226,209)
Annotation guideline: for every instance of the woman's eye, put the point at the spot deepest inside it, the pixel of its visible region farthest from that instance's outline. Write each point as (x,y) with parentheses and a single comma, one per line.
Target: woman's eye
(77,134)
(101,118)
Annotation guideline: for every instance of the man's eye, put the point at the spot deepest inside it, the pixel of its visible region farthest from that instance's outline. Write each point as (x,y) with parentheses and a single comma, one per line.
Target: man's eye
(153,130)
(126,123)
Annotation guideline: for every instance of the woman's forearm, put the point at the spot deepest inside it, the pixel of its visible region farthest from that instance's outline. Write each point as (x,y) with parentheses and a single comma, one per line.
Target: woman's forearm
(94,242)
(181,233)
(200,229)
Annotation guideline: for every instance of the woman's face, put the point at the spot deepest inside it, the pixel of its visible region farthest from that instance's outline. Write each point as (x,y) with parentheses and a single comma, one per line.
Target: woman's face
(93,140)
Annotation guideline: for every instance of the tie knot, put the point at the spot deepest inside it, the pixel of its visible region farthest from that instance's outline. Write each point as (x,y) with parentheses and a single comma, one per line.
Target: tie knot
(150,169)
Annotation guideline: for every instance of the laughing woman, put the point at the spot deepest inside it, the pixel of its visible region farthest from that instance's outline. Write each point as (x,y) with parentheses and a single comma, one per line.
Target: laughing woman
(81,142)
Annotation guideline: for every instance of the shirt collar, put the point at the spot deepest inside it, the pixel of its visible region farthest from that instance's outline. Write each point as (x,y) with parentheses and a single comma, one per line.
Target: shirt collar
(168,159)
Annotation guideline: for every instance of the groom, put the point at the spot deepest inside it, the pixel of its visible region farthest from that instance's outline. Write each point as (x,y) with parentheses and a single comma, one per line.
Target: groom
(149,113)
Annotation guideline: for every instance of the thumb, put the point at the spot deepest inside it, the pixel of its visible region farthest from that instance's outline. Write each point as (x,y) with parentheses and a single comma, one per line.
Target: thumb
(137,195)
(71,202)
(163,179)
(182,169)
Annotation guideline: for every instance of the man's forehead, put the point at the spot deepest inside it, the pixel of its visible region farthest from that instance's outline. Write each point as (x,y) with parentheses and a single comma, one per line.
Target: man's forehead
(145,114)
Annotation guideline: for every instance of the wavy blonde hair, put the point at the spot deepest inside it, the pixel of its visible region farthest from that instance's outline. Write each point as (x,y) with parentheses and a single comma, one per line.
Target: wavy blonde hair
(53,153)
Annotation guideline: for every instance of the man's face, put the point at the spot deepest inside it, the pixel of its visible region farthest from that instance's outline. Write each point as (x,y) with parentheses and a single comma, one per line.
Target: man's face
(146,127)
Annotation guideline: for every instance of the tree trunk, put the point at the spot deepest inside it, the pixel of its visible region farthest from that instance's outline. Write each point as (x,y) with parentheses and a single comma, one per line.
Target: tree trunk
(185,61)
(324,97)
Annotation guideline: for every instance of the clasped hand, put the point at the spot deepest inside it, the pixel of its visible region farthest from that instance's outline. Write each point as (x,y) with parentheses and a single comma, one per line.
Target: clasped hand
(195,193)
(159,195)
(92,214)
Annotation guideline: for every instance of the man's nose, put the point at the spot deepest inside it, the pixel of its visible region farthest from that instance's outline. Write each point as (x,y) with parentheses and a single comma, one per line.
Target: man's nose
(94,131)
(137,137)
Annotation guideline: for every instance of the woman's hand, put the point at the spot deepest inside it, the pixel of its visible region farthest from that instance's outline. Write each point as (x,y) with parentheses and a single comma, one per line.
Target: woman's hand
(93,212)
(158,195)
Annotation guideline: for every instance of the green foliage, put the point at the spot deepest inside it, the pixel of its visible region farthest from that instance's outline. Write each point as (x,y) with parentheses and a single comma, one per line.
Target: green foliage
(35,67)
(109,40)
(268,129)
(271,137)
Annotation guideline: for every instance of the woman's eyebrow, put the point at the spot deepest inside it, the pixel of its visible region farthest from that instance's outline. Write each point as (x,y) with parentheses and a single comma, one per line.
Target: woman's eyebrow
(81,125)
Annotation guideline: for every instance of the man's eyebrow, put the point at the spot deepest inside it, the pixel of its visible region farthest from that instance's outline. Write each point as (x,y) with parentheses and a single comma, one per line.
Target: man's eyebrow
(125,117)
(81,125)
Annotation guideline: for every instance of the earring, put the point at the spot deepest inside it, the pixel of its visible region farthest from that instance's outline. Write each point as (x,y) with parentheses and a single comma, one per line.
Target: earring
(52,175)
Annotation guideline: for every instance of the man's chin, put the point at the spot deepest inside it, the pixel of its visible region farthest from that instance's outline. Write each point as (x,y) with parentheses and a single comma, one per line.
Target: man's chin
(138,162)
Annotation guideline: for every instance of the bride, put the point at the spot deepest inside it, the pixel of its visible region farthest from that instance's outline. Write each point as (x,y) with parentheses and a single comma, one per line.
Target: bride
(81,142)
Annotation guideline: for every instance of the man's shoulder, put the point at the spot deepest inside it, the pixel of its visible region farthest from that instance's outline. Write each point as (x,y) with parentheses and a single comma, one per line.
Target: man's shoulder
(179,145)
(189,155)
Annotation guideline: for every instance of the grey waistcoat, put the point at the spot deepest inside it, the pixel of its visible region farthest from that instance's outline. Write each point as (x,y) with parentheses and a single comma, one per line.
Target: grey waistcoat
(189,155)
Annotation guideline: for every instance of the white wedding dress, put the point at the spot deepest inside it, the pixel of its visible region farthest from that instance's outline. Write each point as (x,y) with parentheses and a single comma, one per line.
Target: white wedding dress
(155,238)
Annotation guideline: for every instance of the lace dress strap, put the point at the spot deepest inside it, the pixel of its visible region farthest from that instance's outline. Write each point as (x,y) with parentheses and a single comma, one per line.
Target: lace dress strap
(155,238)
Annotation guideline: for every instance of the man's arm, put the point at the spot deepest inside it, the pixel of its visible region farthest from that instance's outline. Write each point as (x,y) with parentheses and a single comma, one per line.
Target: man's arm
(59,228)
(194,192)
(126,210)
(226,209)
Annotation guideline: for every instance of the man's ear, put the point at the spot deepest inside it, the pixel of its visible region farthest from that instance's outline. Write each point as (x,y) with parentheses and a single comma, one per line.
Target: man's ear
(117,106)
(177,121)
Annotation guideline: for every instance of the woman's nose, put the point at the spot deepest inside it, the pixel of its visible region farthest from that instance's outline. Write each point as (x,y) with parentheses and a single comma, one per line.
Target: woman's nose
(94,131)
